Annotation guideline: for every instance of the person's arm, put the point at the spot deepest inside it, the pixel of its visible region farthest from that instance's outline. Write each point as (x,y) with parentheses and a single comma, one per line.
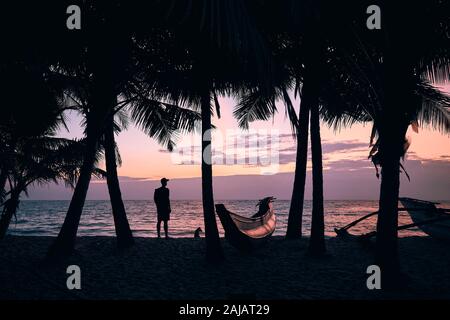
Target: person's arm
(168,199)
(155,197)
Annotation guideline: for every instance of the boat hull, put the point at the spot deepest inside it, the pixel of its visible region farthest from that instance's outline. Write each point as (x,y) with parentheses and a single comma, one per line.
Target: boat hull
(421,211)
(246,234)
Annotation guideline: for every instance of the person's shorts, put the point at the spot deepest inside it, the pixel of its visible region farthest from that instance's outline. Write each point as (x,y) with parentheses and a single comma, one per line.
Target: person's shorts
(163,216)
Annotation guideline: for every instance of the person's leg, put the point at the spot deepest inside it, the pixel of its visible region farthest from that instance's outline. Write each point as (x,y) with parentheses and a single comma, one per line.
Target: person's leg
(158,228)
(166,228)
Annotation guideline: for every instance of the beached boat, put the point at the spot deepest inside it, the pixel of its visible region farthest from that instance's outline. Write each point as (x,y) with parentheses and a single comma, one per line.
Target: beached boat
(430,219)
(246,233)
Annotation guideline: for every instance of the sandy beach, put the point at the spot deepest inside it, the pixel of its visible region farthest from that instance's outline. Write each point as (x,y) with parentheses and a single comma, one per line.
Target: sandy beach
(175,269)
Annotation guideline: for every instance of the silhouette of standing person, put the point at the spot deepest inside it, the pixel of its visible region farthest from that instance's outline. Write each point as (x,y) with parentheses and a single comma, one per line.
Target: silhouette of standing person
(162,201)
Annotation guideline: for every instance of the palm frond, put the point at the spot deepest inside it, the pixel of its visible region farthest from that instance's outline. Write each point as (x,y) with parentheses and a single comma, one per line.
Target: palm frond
(254,106)
(121,119)
(163,121)
(290,110)
(435,108)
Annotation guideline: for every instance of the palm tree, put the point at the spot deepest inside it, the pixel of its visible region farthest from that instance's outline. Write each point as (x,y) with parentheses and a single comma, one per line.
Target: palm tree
(404,57)
(215,42)
(252,108)
(3,171)
(313,77)
(39,160)
(106,66)
(342,46)
(213,248)
(315,66)
(391,70)
(123,230)
(196,88)
(316,48)
(317,240)
(30,153)
(96,114)
(301,55)
(108,83)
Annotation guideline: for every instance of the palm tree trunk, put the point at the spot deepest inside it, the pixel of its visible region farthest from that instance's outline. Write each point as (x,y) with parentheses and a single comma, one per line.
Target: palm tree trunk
(386,241)
(65,242)
(317,240)
(386,253)
(123,231)
(398,90)
(3,179)
(214,251)
(10,208)
(294,228)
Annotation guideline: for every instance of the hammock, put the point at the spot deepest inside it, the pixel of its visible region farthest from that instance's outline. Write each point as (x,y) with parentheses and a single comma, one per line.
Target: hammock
(245,233)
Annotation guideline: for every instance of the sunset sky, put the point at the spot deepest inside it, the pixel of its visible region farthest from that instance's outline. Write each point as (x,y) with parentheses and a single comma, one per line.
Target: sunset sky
(348,174)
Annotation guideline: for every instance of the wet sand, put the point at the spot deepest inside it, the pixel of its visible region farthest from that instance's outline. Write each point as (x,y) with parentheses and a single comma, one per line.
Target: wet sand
(176,269)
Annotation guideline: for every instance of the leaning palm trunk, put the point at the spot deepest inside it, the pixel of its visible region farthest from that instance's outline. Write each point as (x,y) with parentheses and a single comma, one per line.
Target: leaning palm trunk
(100,102)
(317,240)
(9,210)
(65,242)
(214,251)
(123,231)
(294,228)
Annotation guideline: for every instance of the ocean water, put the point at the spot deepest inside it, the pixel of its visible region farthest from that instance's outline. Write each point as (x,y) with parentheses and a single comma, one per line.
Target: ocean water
(44,218)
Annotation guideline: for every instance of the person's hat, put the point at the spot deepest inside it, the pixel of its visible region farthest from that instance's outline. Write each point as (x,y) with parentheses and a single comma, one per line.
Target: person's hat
(164,180)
